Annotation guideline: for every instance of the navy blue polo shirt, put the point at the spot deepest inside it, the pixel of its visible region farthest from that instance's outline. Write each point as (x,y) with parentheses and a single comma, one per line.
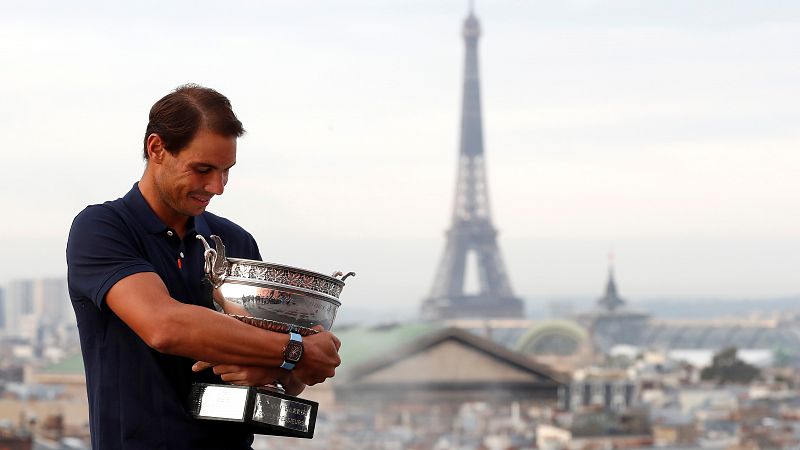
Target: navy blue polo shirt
(137,396)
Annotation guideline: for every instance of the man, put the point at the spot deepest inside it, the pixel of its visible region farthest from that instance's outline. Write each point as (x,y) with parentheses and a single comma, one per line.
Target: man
(134,274)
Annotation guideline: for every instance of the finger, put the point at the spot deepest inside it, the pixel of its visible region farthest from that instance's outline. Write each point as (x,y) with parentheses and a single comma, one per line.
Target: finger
(221,369)
(318,328)
(232,377)
(201,365)
(237,379)
(336,342)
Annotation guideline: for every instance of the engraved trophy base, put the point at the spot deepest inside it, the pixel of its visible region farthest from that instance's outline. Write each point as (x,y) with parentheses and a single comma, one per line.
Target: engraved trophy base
(265,411)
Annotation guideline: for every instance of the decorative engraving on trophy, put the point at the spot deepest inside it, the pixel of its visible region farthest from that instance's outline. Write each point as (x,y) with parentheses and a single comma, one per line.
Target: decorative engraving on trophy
(260,273)
(281,276)
(294,279)
(284,276)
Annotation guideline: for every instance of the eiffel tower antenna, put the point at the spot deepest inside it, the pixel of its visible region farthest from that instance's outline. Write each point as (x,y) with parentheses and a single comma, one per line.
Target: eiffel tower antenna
(471,231)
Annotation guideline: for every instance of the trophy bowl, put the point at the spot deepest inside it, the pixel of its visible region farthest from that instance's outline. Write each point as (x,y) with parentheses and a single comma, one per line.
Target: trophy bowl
(274,297)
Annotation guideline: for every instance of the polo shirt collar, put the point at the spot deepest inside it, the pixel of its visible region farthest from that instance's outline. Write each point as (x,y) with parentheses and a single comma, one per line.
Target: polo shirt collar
(142,211)
(152,224)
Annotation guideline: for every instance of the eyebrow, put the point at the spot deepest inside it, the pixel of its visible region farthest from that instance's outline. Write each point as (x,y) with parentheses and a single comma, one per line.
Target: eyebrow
(210,166)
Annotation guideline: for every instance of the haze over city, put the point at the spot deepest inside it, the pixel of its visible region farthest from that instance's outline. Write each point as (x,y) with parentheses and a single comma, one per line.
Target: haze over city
(663,132)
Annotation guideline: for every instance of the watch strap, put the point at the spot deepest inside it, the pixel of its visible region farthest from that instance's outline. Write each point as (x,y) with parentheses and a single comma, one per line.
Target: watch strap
(296,337)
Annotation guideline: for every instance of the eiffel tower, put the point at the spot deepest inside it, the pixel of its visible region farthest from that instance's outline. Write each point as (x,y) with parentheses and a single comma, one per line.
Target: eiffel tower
(471,231)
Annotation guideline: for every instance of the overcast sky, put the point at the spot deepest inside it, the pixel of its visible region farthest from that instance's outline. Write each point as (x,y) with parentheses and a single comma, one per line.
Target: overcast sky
(665,132)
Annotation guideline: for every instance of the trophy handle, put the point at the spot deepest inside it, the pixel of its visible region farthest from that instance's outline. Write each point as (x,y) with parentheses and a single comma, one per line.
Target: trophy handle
(339,273)
(215,264)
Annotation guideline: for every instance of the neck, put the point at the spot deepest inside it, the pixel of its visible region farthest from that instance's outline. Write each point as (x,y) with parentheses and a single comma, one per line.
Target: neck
(163,211)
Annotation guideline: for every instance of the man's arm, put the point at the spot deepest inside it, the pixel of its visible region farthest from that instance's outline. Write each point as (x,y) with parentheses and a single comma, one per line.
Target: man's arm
(143,302)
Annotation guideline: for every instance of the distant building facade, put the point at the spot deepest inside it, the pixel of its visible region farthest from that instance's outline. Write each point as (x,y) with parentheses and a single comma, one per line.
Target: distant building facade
(612,322)
(608,390)
(19,309)
(33,307)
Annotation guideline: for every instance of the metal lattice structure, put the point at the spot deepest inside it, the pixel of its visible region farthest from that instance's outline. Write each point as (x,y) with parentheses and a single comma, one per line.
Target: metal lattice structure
(471,231)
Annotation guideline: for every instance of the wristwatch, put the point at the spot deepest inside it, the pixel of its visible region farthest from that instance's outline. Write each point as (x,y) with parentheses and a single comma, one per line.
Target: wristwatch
(293,351)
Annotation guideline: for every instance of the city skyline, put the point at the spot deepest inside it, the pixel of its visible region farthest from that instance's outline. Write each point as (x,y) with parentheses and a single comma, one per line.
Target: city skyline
(664,133)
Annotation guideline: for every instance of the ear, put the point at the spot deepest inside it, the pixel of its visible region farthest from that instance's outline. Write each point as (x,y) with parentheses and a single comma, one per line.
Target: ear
(155,148)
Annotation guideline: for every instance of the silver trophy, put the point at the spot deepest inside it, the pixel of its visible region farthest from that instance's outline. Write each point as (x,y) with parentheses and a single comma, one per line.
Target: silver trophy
(276,298)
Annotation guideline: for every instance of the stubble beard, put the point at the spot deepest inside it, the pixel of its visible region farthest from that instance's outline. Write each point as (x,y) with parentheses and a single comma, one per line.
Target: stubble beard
(173,201)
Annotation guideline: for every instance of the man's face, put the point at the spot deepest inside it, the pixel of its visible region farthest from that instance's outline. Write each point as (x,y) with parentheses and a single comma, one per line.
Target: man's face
(187,181)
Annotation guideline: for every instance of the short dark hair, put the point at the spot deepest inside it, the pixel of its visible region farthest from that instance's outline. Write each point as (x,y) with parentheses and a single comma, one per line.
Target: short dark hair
(178,116)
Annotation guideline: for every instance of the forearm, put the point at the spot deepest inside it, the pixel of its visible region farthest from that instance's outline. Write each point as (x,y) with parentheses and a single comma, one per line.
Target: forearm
(206,335)
(169,326)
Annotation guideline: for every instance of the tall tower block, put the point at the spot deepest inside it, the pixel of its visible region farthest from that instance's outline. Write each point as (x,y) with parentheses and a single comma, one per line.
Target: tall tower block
(471,234)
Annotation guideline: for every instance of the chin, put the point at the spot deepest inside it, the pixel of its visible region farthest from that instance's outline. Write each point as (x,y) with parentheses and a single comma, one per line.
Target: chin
(193,211)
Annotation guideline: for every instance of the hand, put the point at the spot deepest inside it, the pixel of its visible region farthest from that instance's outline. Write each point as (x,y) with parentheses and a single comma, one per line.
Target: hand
(320,357)
(292,384)
(244,375)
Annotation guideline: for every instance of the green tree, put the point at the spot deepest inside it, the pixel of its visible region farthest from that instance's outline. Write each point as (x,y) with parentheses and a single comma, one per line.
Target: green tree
(727,368)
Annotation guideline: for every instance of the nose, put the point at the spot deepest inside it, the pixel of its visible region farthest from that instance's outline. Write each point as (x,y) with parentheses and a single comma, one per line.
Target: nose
(216,184)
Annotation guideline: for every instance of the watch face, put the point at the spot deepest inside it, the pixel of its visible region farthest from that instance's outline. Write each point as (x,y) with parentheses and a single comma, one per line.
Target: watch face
(294,350)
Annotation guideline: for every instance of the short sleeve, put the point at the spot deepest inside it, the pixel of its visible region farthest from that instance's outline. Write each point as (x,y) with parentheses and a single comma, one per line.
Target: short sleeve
(100,252)
(254,253)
